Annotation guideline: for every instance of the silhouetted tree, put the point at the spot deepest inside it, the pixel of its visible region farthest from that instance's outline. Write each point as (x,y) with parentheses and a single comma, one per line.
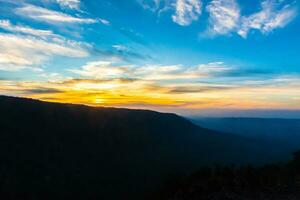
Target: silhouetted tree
(269,182)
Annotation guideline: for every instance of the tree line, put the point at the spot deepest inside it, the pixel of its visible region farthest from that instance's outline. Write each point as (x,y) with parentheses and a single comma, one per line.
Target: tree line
(274,181)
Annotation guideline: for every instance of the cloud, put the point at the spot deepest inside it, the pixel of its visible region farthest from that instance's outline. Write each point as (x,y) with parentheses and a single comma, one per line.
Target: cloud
(133,35)
(8,26)
(104,21)
(42,90)
(126,53)
(224,17)
(101,70)
(152,5)
(50,16)
(145,94)
(27,88)
(70,4)
(28,48)
(19,51)
(108,70)
(120,47)
(210,72)
(274,14)
(211,85)
(187,11)
(123,53)
(105,70)
(199,89)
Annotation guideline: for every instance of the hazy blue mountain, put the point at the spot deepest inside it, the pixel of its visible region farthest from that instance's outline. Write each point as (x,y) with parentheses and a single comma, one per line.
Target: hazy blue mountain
(283,134)
(56,151)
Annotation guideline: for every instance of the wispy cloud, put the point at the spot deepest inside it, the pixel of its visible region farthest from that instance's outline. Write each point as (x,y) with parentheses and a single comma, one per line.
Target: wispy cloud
(224,16)
(108,70)
(70,4)
(101,70)
(127,53)
(50,16)
(104,21)
(132,35)
(21,51)
(152,5)
(187,11)
(120,47)
(53,15)
(8,26)
(165,73)
(273,14)
(199,89)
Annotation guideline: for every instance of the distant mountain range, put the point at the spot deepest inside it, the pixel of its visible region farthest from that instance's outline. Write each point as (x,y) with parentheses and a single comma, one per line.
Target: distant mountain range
(284,134)
(56,151)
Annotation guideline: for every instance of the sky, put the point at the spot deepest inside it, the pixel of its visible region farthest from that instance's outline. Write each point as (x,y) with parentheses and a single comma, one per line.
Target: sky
(183,56)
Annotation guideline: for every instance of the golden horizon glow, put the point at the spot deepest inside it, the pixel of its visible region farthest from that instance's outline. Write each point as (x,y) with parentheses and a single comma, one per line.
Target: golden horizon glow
(206,86)
(140,93)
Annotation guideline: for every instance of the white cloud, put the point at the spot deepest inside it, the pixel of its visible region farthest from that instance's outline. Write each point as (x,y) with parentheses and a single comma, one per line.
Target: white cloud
(108,70)
(152,5)
(18,51)
(71,4)
(50,16)
(224,16)
(8,26)
(187,11)
(101,70)
(213,68)
(272,15)
(153,73)
(104,21)
(120,47)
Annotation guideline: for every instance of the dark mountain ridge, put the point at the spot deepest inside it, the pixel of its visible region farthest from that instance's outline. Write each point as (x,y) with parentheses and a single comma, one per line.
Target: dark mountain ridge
(56,151)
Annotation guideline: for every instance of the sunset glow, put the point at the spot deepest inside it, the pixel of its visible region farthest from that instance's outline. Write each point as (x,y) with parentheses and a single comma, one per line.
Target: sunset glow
(220,54)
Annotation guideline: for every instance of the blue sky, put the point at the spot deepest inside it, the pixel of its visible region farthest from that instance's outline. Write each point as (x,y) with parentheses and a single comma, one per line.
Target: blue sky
(175,55)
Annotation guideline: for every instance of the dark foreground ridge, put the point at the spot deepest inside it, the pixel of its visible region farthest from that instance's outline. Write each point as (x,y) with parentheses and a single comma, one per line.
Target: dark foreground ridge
(270,182)
(63,151)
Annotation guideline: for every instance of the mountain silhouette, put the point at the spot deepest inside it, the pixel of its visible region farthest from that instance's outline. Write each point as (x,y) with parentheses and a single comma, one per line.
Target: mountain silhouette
(61,151)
